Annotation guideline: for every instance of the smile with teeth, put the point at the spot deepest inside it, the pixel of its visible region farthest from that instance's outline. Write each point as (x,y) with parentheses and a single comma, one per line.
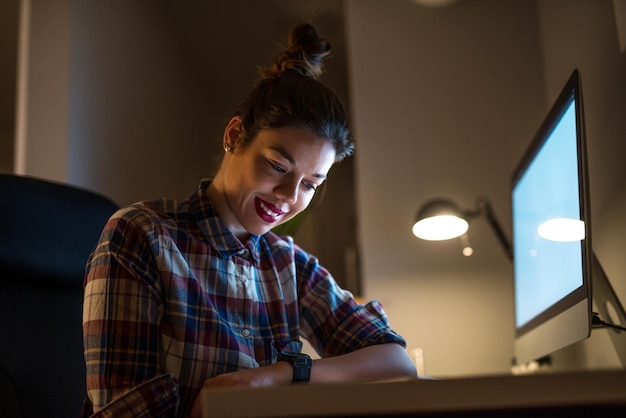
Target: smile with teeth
(267,211)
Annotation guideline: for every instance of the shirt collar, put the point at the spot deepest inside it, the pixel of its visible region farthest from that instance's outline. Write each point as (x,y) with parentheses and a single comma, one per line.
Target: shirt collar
(215,230)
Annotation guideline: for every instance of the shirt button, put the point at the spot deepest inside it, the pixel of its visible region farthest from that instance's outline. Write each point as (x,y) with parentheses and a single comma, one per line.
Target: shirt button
(246,332)
(244,252)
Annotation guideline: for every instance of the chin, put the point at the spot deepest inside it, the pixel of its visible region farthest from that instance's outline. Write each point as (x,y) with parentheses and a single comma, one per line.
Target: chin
(260,230)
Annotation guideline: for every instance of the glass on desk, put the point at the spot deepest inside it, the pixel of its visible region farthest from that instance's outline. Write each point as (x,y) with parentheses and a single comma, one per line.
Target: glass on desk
(418,358)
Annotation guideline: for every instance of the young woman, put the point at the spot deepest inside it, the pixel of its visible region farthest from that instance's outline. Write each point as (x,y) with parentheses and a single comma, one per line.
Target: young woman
(181,295)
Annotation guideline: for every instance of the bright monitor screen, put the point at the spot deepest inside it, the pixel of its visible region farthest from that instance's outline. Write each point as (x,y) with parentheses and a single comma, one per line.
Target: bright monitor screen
(551,233)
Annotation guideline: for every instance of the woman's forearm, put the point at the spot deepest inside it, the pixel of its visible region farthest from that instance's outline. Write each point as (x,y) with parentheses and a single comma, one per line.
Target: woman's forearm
(377,362)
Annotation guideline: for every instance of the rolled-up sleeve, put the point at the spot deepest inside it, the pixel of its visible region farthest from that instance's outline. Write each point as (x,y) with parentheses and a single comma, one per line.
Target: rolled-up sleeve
(332,321)
(121,314)
(155,398)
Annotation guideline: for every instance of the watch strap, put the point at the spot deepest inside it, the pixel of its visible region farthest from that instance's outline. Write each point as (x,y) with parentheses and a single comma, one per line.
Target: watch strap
(301,364)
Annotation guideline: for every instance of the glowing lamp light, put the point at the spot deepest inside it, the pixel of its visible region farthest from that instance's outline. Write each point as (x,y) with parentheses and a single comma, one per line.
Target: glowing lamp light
(562,230)
(439,228)
(439,220)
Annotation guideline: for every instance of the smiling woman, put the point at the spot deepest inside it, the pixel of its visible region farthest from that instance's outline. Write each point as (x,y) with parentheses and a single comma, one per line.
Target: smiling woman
(186,294)
(270,181)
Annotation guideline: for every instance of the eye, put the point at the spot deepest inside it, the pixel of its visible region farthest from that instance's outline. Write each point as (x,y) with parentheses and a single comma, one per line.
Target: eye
(309,186)
(277,168)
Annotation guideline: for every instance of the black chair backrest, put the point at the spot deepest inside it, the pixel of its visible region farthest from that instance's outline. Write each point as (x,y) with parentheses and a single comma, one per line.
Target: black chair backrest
(47,231)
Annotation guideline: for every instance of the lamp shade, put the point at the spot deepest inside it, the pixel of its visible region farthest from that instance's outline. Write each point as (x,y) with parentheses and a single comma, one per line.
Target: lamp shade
(438,220)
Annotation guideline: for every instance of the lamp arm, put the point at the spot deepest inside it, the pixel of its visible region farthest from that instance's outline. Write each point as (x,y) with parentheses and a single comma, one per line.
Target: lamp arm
(485,207)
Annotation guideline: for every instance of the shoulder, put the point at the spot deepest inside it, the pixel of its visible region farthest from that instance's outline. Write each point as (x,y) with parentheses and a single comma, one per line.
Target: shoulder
(150,212)
(149,219)
(132,217)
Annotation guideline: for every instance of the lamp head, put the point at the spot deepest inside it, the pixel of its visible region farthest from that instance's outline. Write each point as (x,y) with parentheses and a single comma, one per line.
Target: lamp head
(439,219)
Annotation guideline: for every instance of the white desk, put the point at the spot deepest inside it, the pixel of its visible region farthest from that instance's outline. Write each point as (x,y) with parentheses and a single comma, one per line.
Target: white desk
(497,395)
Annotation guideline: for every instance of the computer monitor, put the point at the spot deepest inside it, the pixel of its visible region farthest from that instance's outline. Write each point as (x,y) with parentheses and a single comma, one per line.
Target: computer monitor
(552,233)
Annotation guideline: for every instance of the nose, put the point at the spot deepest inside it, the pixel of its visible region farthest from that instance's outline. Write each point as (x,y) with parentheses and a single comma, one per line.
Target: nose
(287,190)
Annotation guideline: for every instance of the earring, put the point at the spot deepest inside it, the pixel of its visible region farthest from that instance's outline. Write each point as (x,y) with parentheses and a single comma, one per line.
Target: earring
(228,147)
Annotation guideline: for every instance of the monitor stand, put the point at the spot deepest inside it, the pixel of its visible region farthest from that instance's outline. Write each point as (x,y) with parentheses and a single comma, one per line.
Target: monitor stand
(610,308)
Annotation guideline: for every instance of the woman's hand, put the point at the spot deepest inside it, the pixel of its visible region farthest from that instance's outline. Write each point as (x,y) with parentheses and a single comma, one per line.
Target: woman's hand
(280,373)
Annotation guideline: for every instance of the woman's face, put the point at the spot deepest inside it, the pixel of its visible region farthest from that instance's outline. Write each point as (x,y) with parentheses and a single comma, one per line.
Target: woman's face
(272,179)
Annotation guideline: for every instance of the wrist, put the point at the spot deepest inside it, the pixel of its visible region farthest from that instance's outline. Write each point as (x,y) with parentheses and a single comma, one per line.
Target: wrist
(283,373)
(301,365)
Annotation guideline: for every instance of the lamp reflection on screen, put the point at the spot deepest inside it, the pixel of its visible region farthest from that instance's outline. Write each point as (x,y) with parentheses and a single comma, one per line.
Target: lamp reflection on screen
(562,230)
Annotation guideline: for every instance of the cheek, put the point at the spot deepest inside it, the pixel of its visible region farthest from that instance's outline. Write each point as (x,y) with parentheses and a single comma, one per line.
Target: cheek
(306,196)
(303,201)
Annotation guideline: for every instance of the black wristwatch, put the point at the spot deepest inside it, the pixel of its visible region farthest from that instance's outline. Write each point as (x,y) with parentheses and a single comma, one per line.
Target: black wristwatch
(301,364)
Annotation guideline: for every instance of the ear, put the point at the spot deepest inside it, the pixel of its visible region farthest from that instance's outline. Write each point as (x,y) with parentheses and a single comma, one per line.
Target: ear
(232,133)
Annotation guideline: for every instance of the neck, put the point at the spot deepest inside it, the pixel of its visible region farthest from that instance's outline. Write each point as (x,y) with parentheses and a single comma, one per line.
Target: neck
(217,196)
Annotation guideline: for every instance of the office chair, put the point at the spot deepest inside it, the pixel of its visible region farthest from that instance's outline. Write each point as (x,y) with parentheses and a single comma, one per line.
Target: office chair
(47,231)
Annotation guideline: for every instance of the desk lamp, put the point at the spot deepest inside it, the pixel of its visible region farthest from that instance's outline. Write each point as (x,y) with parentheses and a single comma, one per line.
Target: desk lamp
(441,219)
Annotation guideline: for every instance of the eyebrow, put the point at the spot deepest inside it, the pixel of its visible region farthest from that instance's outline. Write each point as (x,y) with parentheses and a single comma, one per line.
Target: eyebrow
(293,162)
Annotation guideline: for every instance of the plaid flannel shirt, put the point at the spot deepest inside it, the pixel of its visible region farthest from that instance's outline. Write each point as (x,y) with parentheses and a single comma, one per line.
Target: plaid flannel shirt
(172,298)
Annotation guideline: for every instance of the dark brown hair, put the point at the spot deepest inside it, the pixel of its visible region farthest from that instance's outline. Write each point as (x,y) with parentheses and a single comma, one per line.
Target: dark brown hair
(291,94)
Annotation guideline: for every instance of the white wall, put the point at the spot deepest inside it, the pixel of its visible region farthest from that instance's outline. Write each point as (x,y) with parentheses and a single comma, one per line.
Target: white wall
(106,100)
(135,104)
(445,101)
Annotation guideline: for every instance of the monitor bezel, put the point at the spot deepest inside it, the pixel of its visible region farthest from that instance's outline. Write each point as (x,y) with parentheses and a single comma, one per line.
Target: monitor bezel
(569,319)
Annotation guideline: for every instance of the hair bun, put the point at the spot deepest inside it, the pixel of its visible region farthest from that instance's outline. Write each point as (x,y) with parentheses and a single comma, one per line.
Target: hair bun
(305,53)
